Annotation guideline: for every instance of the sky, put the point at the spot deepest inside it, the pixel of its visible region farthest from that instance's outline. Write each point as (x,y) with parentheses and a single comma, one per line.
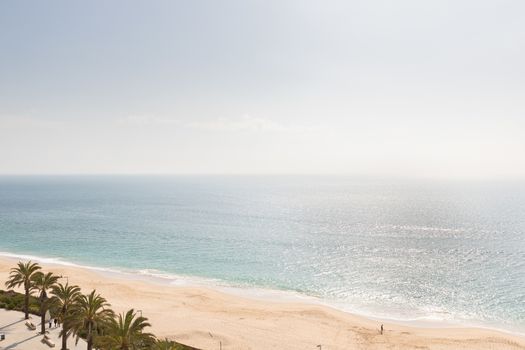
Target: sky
(412,88)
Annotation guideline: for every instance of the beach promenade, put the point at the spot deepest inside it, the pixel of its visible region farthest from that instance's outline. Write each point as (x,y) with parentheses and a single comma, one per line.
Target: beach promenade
(19,337)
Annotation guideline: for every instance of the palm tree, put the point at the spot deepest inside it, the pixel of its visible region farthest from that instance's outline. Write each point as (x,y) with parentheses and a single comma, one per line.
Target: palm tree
(43,282)
(166,345)
(126,332)
(64,296)
(22,275)
(89,314)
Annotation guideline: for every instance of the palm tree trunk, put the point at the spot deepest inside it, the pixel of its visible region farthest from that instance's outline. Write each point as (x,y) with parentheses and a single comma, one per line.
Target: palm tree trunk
(42,319)
(65,328)
(43,298)
(26,304)
(64,337)
(89,338)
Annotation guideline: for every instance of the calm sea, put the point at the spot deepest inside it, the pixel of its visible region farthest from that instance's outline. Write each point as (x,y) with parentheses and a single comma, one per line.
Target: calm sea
(406,250)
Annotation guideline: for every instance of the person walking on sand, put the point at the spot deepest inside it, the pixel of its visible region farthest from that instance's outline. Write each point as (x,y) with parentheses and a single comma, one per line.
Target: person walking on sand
(55,321)
(381,329)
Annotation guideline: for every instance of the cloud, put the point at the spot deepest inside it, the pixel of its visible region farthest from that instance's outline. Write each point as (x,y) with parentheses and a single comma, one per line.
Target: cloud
(143,120)
(246,123)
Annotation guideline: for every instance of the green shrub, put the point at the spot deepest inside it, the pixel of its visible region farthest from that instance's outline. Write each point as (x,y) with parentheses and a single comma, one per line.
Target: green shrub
(34,309)
(12,300)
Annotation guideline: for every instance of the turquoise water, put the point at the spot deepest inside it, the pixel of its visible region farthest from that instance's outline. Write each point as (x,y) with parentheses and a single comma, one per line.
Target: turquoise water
(407,250)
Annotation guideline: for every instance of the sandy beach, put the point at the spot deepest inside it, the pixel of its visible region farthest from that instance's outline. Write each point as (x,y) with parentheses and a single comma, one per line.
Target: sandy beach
(205,318)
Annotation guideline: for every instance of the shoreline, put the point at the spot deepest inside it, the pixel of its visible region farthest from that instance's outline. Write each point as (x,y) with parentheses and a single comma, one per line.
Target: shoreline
(202,316)
(253,293)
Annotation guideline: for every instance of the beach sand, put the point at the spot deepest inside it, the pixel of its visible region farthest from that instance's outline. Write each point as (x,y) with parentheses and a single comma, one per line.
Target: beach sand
(204,318)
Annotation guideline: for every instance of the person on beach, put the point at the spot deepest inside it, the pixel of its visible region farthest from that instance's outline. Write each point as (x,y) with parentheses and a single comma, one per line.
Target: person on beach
(56,322)
(381,329)
(49,323)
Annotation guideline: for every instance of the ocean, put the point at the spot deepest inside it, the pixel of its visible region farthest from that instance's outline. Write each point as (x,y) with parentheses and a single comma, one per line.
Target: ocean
(409,250)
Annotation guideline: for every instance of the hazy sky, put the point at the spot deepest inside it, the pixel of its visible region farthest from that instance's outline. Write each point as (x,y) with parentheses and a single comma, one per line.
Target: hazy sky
(407,87)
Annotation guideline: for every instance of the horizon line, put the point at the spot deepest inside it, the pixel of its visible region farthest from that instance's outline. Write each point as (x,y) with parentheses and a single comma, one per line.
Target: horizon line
(340,175)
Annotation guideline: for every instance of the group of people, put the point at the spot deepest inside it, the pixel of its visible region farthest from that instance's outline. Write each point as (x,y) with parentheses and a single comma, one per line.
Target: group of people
(55,321)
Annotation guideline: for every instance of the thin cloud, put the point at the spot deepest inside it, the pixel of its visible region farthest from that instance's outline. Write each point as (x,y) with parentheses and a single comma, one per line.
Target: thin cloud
(144,120)
(246,123)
